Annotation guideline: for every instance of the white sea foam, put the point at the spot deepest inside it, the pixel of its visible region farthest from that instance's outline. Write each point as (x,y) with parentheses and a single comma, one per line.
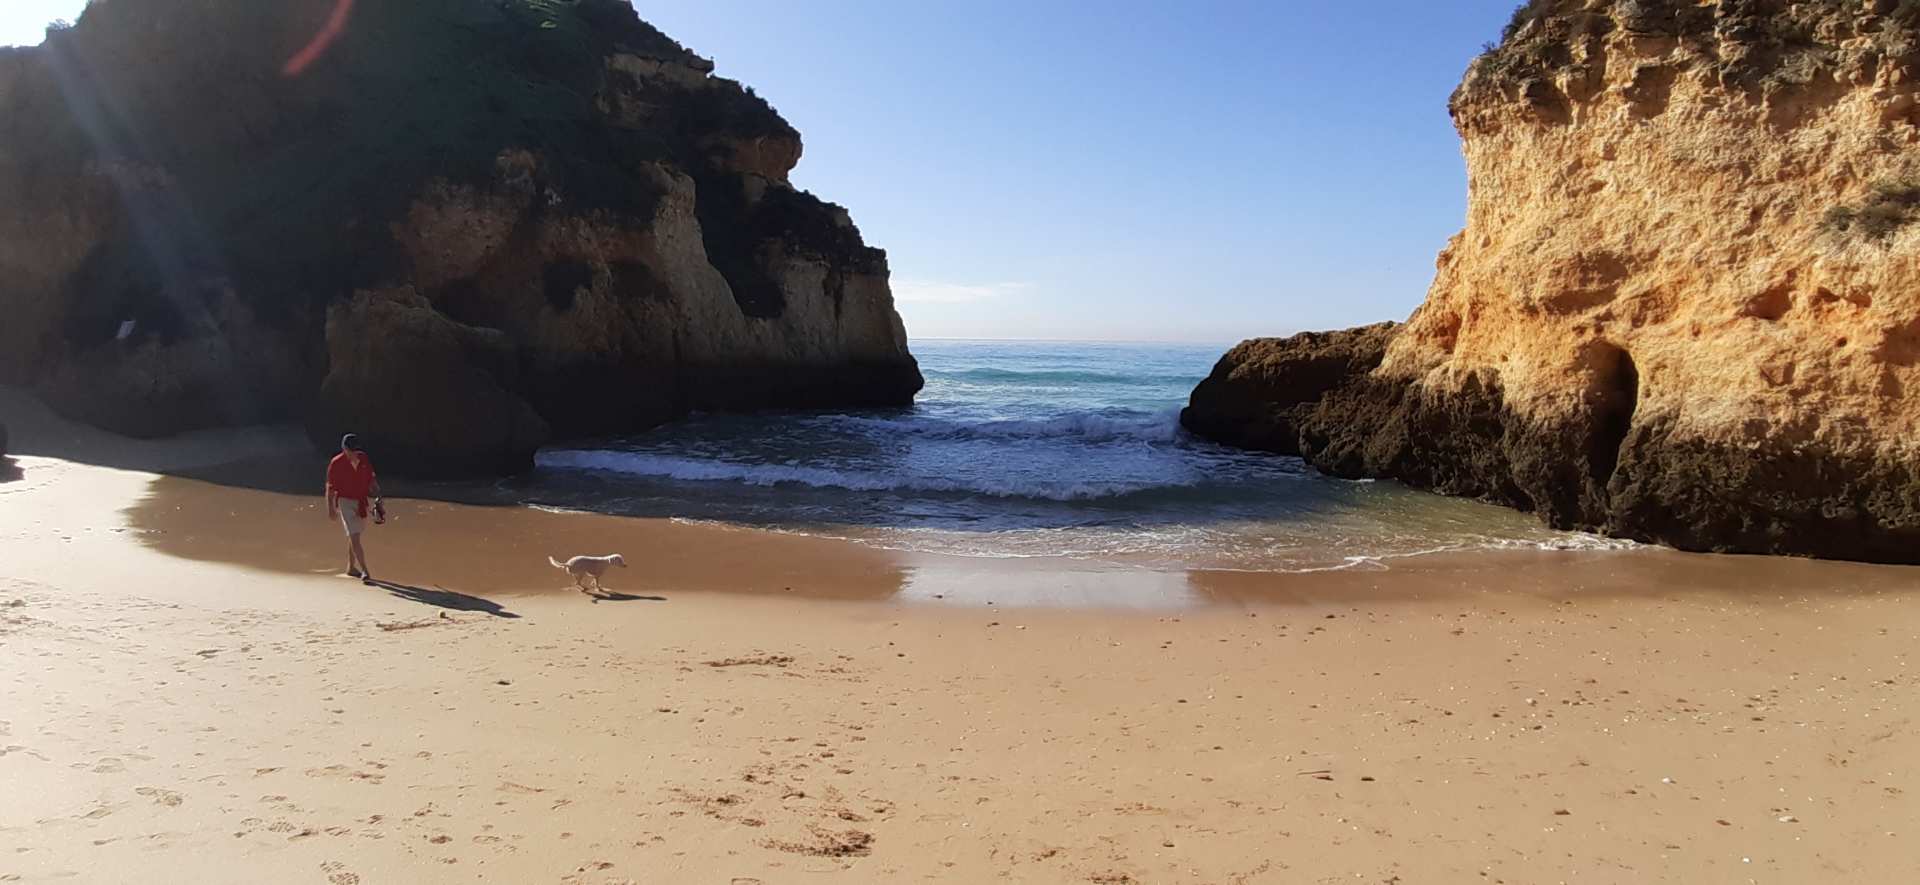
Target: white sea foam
(549,508)
(1563,541)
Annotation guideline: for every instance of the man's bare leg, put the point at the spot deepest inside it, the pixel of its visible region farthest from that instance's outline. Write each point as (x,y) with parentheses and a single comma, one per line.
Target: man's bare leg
(360,556)
(353,561)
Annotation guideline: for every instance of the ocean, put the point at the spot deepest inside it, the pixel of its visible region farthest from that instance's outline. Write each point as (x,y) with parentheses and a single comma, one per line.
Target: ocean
(1027,449)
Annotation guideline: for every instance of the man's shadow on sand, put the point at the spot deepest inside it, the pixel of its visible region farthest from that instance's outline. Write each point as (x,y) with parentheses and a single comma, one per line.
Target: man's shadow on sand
(10,469)
(441,597)
(610,596)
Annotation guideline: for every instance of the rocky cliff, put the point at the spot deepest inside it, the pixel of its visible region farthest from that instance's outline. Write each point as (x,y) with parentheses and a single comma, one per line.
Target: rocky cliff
(1686,304)
(458,227)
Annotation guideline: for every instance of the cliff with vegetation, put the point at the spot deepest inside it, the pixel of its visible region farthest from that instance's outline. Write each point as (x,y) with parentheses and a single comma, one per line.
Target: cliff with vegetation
(458,227)
(1686,304)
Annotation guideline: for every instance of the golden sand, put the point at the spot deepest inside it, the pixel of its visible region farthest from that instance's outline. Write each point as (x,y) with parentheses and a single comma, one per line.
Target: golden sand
(187,693)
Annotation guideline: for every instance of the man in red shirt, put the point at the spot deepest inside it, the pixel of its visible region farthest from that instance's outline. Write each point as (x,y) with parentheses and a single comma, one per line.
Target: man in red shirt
(350,481)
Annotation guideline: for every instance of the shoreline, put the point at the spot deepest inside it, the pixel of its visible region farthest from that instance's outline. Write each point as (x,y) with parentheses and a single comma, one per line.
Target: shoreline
(249,497)
(1538,717)
(501,549)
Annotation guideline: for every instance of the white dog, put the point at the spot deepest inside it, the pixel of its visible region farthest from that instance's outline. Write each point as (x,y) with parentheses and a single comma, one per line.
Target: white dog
(588,568)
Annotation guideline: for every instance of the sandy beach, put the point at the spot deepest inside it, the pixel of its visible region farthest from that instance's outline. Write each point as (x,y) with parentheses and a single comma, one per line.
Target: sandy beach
(188,693)
(1181,444)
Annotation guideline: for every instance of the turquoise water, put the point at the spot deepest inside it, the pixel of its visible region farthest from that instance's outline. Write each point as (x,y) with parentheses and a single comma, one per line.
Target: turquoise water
(1026,449)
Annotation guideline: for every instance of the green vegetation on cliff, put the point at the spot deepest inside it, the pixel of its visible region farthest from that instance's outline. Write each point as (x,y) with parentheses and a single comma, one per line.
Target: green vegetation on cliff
(1890,206)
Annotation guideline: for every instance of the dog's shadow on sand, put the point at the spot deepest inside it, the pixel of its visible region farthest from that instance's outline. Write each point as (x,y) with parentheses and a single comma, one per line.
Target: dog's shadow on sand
(441,597)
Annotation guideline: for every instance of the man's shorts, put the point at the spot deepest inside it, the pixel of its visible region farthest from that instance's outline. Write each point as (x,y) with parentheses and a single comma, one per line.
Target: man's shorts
(350,518)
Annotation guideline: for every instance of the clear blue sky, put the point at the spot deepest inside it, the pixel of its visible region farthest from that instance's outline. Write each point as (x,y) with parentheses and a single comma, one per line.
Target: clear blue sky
(1120,170)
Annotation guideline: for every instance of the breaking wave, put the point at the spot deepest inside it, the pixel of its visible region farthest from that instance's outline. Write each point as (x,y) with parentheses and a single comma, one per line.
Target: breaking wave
(1094,426)
(688,469)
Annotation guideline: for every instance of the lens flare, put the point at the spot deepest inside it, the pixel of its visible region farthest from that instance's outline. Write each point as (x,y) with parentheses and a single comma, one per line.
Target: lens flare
(317,47)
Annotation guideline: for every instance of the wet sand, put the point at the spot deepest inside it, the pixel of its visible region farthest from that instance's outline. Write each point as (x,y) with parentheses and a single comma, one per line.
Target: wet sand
(265,513)
(188,694)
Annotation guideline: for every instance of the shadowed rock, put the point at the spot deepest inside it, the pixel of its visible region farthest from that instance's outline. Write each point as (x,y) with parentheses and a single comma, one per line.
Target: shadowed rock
(460,228)
(1261,390)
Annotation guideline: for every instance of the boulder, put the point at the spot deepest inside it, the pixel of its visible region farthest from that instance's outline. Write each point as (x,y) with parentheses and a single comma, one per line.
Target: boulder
(428,396)
(1261,390)
(222,366)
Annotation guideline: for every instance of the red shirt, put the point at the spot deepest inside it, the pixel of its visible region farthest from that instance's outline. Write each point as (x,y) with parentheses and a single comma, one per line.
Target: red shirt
(351,483)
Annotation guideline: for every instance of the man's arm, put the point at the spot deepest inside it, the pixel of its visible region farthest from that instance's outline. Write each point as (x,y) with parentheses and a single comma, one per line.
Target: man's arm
(333,501)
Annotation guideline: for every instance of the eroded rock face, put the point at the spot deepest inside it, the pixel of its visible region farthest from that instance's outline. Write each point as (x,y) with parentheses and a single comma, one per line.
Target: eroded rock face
(1686,305)
(586,232)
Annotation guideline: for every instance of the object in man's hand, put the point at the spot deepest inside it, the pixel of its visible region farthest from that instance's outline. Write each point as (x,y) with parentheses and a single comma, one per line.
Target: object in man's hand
(379,511)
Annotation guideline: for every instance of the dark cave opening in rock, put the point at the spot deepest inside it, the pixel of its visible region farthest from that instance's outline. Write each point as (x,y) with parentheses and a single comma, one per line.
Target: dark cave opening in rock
(1618,382)
(561,280)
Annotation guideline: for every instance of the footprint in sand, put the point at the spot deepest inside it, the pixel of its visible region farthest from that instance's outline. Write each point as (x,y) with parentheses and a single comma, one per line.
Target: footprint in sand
(338,874)
(762,660)
(827,843)
(580,873)
(345,772)
(168,798)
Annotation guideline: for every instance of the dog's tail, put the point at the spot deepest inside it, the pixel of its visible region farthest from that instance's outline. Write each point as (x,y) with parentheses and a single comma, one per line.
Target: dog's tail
(557,563)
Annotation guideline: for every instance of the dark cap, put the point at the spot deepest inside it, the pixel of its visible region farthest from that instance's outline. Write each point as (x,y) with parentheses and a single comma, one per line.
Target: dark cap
(350,443)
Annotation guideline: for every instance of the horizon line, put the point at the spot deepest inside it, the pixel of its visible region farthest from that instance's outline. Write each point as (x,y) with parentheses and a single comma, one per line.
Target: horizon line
(1195,342)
